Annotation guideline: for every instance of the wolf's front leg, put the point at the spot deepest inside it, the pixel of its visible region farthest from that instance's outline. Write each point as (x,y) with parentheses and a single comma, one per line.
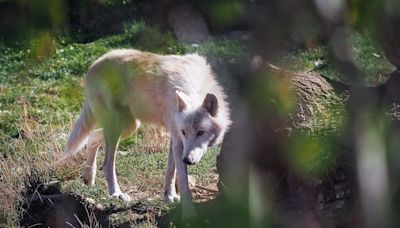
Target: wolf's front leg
(170,194)
(112,137)
(181,169)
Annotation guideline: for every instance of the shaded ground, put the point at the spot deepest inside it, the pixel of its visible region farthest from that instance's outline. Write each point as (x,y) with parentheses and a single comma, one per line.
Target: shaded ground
(49,207)
(62,209)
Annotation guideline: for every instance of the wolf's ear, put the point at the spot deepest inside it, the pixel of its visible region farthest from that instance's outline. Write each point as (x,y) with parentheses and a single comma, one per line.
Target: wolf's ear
(210,103)
(181,100)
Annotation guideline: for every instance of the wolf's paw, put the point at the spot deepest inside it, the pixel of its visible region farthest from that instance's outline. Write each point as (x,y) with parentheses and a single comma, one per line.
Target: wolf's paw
(89,176)
(122,196)
(171,198)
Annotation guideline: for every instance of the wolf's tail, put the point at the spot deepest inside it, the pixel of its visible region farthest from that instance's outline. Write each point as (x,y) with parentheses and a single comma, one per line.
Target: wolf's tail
(81,131)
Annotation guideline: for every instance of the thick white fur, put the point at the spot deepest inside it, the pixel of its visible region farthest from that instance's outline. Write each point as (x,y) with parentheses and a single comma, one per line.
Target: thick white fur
(124,87)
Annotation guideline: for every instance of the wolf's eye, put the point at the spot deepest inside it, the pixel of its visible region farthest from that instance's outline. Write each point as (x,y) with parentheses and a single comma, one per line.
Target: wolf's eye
(183,132)
(200,133)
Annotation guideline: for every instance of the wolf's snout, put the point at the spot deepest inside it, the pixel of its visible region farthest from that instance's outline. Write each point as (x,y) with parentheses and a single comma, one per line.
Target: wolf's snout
(188,161)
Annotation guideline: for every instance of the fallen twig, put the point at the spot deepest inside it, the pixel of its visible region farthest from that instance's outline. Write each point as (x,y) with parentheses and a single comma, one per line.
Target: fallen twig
(206,188)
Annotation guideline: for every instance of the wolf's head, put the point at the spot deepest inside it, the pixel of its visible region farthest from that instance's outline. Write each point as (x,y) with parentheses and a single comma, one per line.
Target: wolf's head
(198,127)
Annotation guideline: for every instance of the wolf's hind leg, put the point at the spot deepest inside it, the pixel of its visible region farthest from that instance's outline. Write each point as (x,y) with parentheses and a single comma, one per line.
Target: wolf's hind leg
(95,141)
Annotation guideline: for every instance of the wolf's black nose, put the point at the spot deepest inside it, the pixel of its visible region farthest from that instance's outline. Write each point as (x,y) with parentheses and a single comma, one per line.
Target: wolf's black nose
(187,161)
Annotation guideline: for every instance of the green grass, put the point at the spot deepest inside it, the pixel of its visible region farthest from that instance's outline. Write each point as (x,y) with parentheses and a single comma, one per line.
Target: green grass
(143,172)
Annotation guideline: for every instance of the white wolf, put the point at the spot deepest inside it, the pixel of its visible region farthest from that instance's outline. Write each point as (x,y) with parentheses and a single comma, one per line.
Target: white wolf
(124,87)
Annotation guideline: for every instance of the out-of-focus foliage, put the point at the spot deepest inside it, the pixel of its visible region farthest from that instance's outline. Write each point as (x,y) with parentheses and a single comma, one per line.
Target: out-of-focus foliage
(272,94)
(118,2)
(226,13)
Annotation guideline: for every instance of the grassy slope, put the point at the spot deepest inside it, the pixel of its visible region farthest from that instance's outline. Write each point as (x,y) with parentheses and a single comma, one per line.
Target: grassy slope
(41,86)
(368,56)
